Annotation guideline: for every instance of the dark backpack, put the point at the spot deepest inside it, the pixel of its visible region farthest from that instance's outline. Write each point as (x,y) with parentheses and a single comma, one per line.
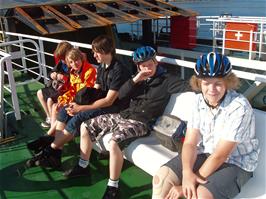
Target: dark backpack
(88,95)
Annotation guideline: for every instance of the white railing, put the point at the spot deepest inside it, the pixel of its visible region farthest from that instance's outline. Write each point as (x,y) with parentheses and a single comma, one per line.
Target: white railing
(9,67)
(33,56)
(213,28)
(5,61)
(243,63)
(252,70)
(255,40)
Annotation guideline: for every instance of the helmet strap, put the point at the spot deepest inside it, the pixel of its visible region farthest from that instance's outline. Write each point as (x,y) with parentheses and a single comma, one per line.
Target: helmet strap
(218,104)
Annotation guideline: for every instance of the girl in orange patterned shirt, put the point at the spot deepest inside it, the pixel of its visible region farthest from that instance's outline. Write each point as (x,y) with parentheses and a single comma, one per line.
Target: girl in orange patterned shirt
(82,74)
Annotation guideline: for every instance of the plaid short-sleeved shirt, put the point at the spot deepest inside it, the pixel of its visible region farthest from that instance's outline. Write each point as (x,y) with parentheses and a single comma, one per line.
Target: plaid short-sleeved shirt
(233,121)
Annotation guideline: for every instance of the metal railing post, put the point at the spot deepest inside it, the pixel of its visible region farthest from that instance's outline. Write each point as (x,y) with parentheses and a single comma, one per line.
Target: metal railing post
(223,47)
(182,68)
(250,44)
(1,98)
(213,38)
(43,63)
(23,54)
(6,62)
(12,84)
(261,39)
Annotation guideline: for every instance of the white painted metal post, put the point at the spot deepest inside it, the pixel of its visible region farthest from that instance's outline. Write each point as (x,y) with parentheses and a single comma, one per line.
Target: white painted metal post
(223,48)
(182,68)
(1,98)
(213,36)
(250,44)
(23,54)
(43,63)
(12,84)
(261,39)
(6,62)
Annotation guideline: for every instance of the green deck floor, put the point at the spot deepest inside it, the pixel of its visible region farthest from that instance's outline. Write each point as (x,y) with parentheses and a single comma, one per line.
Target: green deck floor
(39,183)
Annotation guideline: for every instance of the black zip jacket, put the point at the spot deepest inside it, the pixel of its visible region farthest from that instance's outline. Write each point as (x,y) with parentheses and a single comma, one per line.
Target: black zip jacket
(149,98)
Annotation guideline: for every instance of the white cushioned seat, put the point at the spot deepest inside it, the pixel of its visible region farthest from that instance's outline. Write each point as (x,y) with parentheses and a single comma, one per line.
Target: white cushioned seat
(147,154)
(256,186)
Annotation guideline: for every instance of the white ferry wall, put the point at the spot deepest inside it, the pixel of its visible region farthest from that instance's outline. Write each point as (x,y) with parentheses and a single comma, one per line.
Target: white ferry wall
(218,7)
(255,8)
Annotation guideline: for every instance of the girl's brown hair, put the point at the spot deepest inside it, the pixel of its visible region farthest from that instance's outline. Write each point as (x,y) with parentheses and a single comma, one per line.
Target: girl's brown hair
(62,49)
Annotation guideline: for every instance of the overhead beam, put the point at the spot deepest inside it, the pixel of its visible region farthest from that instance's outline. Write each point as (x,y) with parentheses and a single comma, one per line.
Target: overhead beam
(99,19)
(56,13)
(25,18)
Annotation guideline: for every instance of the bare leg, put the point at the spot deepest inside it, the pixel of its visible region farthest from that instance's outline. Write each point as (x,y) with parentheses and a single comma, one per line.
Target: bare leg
(61,137)
(116,160)
(52,129)
(53,113)
(50,103)
(204,193)
(43,102)
(85,143)
(163,181)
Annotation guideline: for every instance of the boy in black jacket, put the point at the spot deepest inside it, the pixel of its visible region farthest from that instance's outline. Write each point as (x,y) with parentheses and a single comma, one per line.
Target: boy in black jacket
(149,92)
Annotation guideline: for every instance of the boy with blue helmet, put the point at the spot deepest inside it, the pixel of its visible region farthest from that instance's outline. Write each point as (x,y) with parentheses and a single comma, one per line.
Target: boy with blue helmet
(149,91)
(212,65)
(220,150)
(143,54)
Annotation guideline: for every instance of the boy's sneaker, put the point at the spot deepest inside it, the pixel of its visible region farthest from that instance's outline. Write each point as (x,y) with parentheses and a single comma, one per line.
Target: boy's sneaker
(40,143)
(32,162)
(50,161)
(46,123)
(111,193)
(77,171)
(50,158)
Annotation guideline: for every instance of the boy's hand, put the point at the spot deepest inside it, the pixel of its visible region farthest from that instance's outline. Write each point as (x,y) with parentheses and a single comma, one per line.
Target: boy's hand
(60,76)
(53,75)
(175,193)
(142,75)
(73,109)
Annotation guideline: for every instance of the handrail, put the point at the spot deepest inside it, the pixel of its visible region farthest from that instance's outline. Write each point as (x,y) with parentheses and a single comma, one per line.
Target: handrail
(20,44)
(212,28)
(6,61)
(247,69)
(4,56)
(244,63)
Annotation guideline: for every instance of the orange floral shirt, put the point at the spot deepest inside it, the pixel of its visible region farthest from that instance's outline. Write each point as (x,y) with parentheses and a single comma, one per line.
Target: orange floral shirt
(86,77)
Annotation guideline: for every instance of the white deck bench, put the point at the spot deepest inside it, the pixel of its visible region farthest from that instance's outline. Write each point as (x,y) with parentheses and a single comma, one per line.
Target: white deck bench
(147,154)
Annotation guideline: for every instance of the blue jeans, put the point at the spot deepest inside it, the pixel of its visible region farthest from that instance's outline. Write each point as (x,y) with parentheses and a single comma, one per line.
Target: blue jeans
(73,122)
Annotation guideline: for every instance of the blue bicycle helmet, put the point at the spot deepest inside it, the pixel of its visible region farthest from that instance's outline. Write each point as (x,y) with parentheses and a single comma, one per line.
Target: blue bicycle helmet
(212,65)
(143,54)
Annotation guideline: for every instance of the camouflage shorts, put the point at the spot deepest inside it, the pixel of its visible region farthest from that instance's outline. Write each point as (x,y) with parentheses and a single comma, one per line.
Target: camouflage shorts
(123,130)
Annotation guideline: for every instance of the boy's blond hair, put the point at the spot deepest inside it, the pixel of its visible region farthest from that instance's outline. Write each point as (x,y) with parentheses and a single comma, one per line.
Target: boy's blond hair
(75,54)
(231,82)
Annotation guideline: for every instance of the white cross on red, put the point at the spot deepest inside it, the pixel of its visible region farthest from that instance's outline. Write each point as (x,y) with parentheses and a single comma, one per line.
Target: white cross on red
(238,35)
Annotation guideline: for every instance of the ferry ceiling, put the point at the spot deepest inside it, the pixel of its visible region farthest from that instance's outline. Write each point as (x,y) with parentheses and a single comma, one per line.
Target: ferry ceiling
(47,18)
